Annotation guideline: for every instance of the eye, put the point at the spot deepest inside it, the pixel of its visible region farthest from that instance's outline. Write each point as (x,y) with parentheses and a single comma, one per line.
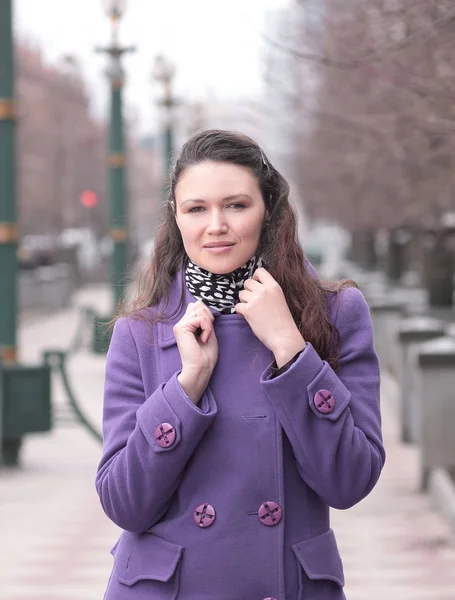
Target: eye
(196,209)
(237,206)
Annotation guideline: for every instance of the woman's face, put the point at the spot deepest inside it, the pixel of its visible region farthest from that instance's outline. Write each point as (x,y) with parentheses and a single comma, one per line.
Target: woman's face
(220,212)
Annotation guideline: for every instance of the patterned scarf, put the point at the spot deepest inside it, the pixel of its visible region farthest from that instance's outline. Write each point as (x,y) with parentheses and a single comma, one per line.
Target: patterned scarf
(220,292)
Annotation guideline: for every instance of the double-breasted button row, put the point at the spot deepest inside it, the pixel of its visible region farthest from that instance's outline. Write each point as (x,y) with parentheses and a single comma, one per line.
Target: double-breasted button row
(165,435)
(204,515)
(269,514)
(324,401)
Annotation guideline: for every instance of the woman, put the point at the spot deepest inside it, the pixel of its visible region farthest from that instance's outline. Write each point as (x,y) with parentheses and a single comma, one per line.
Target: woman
(241,397)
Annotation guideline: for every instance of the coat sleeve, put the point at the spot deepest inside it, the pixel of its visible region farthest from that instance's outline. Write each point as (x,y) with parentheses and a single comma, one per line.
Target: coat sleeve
(136,477)
(335,434)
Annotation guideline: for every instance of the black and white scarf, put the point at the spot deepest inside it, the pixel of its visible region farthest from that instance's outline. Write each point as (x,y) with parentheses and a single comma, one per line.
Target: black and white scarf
(220,292)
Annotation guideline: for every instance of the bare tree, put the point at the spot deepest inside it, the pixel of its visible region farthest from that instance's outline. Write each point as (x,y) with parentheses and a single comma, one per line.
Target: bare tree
(379,151)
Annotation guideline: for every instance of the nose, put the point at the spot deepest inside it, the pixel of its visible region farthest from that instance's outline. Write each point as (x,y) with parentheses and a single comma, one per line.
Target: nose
(217,223)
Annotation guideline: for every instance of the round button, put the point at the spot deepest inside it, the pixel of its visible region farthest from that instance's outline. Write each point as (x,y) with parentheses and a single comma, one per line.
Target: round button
(165,435)
(270,514)
(324,401)
(204,515)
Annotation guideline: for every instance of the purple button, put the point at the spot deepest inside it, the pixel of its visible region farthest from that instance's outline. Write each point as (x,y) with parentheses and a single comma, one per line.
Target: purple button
(165,435)
(270,514)
(324,401)
(204,515)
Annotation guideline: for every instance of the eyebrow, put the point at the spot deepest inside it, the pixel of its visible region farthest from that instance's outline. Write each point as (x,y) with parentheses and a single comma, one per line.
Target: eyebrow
(227,199)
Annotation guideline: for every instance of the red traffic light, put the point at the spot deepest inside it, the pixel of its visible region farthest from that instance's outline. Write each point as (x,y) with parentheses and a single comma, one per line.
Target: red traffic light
(89,198)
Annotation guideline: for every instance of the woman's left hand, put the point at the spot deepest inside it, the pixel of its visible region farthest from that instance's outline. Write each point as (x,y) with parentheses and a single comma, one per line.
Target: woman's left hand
(264,306)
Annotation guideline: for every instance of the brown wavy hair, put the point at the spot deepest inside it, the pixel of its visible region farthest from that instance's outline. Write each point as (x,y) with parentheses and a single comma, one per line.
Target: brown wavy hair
(306,295)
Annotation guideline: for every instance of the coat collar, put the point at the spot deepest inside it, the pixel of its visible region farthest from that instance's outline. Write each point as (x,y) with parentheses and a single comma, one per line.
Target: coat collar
(166,337)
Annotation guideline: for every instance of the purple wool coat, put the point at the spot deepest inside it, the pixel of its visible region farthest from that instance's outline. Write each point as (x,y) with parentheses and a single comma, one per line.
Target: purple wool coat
(229,500)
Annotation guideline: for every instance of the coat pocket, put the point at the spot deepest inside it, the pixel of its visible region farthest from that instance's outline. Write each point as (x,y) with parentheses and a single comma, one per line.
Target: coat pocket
(320,568)
(149,565)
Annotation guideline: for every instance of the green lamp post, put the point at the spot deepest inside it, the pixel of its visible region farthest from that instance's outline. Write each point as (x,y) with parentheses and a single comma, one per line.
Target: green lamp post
(118,201)
(163,72)
(24,390)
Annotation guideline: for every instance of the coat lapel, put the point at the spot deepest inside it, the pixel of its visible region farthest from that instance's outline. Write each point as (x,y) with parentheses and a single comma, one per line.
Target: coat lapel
(166,337)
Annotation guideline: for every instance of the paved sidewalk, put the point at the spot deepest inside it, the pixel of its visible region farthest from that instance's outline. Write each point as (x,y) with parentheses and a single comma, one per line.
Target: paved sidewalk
(393,545)
(56,539)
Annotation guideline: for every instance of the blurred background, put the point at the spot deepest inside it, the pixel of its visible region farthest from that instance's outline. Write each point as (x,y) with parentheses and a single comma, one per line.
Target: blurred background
(197,65)
(354,102)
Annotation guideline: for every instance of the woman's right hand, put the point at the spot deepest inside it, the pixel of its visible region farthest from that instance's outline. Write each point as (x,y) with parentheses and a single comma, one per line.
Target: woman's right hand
(199,353)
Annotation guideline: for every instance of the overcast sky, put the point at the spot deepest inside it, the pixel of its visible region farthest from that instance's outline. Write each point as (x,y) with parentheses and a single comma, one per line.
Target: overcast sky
(215,44)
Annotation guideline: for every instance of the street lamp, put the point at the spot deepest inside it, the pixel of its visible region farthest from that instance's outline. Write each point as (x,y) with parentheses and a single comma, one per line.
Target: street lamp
(114,8)
(163,72)
(118,201)
(24,390)
(197,117)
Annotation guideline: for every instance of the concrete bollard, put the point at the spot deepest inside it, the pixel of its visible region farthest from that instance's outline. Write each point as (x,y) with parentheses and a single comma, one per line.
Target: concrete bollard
(66,284)
(386,316)
(47,285)
(437,422)
(412,332)
(46,288)
(28,297)
(54,287)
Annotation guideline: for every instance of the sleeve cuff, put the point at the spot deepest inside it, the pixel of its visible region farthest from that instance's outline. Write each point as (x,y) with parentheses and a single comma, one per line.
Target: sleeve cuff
(311,374)
(276,372)
(169,404)
(311,359)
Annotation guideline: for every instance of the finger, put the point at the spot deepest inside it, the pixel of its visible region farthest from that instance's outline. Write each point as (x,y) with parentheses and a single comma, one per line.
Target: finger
(193,310)
(205,328)
(206,333)
(199,325)
(263,276)
(194,326)
(252,285)
(190,308)
(246,296)
(202,306)
(241,308)
(199,308)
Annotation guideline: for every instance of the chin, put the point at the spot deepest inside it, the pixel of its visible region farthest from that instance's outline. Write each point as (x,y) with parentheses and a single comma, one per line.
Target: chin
(218,266)
(218,269)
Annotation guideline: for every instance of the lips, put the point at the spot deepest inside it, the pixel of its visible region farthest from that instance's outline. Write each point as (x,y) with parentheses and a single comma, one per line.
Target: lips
(219,244)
